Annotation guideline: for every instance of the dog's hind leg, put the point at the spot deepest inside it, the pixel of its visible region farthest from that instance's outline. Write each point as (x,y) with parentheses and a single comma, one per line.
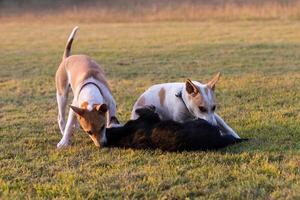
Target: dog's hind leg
(134,115)
(61,102)
(138,104)
(224,127)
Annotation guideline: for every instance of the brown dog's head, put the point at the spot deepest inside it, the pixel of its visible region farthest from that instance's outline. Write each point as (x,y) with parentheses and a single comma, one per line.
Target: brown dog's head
(92,119)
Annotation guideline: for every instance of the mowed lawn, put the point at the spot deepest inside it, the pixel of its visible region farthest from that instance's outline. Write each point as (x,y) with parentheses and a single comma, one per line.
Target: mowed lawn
(258,95)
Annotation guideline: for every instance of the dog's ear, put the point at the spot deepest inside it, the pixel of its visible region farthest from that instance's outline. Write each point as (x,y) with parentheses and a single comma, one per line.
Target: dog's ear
(212,83)
(190,87)
(102,108)
(77,110)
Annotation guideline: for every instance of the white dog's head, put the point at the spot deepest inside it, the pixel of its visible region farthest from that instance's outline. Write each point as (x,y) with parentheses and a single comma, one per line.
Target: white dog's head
(200,99)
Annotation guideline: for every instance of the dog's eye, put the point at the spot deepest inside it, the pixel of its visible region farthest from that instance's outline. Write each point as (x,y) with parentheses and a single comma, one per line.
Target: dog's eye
(89,132)
(202,109)
(213,108)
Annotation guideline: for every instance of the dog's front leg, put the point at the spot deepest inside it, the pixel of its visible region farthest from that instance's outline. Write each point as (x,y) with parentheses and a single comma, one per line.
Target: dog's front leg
(76,124)
(62,102)
(224,127)
(112,120)
(64,142)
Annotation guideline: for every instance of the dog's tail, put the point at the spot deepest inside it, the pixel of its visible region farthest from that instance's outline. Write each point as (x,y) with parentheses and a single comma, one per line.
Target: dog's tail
(69,43)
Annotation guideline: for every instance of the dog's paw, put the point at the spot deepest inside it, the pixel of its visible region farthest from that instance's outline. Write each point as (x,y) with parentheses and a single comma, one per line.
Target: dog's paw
(63,143)
(76,125)
(114,125)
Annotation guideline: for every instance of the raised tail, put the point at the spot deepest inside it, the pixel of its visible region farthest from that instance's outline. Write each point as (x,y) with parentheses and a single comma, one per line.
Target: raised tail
(69,43)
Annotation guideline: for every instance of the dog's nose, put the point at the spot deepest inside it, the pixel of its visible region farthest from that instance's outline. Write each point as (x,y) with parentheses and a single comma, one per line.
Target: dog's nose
(96,140)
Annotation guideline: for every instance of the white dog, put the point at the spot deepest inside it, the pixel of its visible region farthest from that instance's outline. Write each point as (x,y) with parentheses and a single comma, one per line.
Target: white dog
(184,101)
(92,97)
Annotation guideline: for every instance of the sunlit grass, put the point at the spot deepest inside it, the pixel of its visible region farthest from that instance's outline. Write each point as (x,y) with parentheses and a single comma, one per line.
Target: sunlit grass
(258,95)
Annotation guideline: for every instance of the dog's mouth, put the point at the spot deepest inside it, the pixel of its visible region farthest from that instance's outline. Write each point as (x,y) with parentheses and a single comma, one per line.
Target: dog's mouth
(210,119)
(99,139)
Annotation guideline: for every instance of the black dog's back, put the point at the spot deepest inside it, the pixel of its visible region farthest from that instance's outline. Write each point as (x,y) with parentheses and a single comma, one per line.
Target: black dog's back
(135,133)
(148,131)
(193,135)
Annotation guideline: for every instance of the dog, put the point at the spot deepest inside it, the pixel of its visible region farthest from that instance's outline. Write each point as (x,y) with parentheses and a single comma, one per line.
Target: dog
(92,97)
(148,131)
(184,101)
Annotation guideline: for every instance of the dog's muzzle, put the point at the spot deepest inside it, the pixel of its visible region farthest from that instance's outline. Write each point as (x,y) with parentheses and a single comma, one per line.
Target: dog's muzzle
(212,120)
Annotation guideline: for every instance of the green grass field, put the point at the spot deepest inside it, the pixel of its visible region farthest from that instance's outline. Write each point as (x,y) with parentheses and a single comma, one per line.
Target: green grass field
(258,95)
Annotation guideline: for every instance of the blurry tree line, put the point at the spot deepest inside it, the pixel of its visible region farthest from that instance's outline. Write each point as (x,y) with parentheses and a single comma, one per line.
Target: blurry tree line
(127,4)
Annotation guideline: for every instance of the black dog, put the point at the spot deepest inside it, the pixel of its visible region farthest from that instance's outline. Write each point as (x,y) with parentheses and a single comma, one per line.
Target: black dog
(149,132)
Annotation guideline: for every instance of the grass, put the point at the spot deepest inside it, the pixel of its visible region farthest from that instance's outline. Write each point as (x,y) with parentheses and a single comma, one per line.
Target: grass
(258,96)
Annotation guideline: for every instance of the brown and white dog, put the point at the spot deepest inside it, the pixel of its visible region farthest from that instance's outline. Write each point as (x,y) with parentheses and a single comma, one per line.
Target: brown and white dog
(92,97)
(184,101)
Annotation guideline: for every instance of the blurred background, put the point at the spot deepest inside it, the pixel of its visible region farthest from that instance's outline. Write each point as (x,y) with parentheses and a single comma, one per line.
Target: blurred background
(152,10)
